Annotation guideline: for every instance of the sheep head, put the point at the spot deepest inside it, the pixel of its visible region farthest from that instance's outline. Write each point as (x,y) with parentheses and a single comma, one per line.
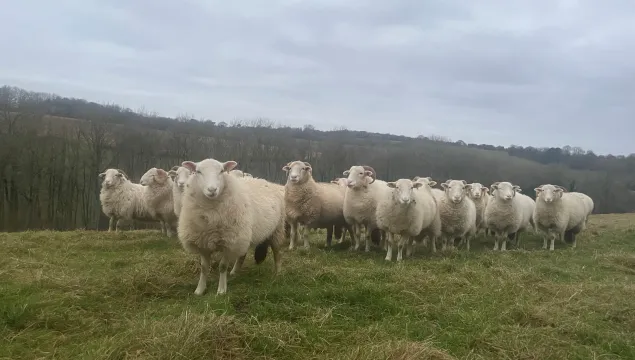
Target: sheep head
(402,192)
(477,190)
(359,176)
(179,175)
(505,190)
(425,180)
(455,190)
(112,177)
(298,172)
(549,193)
(154,176)
(209,176)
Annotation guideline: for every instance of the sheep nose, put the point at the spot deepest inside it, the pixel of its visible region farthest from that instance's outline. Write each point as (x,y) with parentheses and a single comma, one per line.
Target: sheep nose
(211,189)
(508,197)
(548,200)
(405,200)
(293,177)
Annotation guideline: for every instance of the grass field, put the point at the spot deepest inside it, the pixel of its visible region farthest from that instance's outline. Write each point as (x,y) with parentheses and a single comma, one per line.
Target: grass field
(95,295)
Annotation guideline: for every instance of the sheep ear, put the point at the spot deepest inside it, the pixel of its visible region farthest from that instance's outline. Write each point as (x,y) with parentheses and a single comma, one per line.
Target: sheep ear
(334,182)
(174,168)
(444,185)
(229,165)
(346,172)
(517,188)
(431,183)
(102,175)
(467,186)
(391,185)
(172,174)
(285,168)
(368,173)
(464,182)
(562,188)
(162,172)
(484,189)
(415,178)
(538,190)
(247,175)
(306,164)
(190,165)
(417,185)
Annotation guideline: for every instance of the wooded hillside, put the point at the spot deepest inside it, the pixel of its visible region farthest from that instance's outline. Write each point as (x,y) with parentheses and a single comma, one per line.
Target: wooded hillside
(52,148)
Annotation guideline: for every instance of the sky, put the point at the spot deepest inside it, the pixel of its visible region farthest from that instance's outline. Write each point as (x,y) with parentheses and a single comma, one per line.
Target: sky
(526,72)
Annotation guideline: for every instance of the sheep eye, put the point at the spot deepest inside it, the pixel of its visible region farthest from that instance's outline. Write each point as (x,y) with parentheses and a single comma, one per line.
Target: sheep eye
(198,172)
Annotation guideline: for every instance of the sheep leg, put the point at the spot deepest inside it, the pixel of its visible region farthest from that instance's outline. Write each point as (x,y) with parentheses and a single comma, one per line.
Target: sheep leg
(433,241)
(294,235)
(163,227)
(369,233)
(468,238)
(504,243)
(410,248)
(202,280)
(404,241)
(496,237)
(222,278)
(275,249)
(118,226)
(341,240)
(329,238)
(544,242)
(389,241)
(111,224)
(238,264)
(169,229)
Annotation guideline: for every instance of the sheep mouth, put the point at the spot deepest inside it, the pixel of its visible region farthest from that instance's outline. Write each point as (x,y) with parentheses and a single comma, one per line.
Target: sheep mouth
(209,195)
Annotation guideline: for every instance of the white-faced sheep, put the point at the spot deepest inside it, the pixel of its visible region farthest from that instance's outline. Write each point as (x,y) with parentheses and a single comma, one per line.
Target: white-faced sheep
(436,194)
(121,199)
(407,212)
(157,195)
(310,203)
(559,214)
(223,214)
(457,212)
(179,176)
(360,202)
(479,194)
(508,213)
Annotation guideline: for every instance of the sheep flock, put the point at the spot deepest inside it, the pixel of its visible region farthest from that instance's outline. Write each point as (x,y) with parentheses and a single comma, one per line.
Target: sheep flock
(218,210)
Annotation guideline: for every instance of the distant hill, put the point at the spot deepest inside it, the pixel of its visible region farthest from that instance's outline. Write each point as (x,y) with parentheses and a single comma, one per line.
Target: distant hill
(52,148)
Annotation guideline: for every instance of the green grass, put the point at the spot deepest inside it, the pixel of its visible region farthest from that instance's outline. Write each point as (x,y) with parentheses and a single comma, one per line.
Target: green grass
(95,295)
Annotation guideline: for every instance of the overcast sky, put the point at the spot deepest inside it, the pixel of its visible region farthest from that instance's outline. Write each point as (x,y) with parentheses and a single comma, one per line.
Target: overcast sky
(526,72)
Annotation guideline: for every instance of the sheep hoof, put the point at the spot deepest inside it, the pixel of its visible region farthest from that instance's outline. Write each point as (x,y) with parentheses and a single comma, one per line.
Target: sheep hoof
(199,291)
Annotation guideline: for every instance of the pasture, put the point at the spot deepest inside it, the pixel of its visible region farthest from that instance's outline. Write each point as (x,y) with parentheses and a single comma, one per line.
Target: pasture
(98,295)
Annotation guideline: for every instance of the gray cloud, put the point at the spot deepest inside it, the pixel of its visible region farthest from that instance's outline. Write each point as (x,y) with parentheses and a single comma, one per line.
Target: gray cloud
(527,72)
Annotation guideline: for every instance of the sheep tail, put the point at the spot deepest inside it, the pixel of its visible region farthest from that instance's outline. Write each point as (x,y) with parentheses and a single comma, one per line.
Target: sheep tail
(260,252)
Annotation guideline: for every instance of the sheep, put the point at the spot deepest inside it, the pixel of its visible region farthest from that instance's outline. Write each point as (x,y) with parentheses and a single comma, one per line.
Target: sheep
(179,176)
(508,212)
(406,211)
(436,194)
(240,173)
(479,194)
(360,202)
(158,198)
(457,212)
(313,204)
(223,214)
(121,199)
(559,213)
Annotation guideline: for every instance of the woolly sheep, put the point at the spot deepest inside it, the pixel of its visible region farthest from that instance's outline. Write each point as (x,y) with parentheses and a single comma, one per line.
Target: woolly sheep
(508,212)
(179,176)
(360,201)
(223,214)
(157,195)
(121,199)
(479,194)
(457,212)
(436,194)
(310,203)
(407,212)
(558,212)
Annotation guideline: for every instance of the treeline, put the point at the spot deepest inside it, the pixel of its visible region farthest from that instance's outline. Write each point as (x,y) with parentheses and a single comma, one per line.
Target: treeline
(52,148)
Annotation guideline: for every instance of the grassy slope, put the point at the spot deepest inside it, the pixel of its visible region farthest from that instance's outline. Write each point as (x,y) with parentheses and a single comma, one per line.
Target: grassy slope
(89,295)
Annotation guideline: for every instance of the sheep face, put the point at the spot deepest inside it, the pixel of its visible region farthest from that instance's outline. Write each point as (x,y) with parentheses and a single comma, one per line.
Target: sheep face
(154,176)
(549,193)
(505,190)
(425,181)
(358,176)
(298,172)
(455,190)
(477,190)
(112,177)
(179,175)
(402,192)
(209,176)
